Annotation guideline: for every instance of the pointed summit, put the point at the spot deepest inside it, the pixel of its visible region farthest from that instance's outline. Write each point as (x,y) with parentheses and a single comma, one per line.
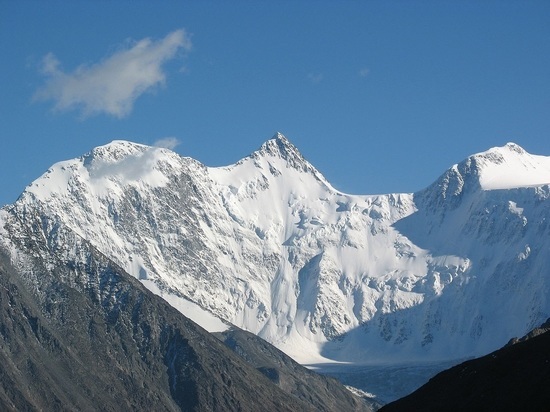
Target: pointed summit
(279,152)
(280,146)
(511,146)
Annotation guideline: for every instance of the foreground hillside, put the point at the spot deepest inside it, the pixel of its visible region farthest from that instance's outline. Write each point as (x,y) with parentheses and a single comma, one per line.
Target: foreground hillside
(514,378)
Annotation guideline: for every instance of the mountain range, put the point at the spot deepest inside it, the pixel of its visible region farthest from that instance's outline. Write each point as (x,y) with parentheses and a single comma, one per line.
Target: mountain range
(268,245)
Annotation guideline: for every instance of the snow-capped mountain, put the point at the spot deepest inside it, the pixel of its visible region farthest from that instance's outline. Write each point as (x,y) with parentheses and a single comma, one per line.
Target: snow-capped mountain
(269,245)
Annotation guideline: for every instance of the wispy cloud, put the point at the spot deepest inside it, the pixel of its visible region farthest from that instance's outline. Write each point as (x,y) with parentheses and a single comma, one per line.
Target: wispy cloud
(315,77)
(364,72)
(112,85)
(167,143)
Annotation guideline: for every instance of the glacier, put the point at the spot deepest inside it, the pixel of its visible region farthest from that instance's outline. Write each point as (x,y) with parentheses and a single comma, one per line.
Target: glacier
(267,244)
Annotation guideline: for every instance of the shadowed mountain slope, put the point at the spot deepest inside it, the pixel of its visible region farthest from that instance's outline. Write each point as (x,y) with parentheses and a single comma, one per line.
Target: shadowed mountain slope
(323,392)
(514,378)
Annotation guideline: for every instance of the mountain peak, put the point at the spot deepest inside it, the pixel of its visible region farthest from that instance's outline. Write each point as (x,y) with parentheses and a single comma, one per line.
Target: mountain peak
(114,151)
(280,146)
(498,154)
(501,167)
(510,166)
(279,136)
(513,147)
(278,153)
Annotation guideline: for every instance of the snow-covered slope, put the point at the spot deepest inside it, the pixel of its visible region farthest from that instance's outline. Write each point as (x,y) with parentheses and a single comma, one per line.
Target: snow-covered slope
(269,245)
(510,167)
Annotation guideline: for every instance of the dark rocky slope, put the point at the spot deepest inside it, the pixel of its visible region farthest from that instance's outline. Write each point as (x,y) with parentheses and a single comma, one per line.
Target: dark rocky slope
(323,392)
(78,333)
(514,378)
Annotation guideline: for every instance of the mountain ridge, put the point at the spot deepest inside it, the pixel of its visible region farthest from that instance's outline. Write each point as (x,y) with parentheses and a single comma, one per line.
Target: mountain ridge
(270,246)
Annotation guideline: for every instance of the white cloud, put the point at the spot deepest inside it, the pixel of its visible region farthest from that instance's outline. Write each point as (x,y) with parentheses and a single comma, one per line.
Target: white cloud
(315,77)
(167,143)
(364,72)
(112,85)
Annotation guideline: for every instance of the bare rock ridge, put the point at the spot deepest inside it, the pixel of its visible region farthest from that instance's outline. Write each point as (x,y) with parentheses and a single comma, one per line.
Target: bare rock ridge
(288,374)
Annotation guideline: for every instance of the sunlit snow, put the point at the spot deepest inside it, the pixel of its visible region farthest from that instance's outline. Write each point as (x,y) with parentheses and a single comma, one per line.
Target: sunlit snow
(269,245)
(511,167)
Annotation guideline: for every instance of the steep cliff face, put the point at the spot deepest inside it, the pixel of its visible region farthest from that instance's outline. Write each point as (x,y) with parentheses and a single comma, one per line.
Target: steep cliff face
(269,245)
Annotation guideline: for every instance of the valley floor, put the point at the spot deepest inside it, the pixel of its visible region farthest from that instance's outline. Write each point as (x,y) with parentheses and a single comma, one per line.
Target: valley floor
(387,382)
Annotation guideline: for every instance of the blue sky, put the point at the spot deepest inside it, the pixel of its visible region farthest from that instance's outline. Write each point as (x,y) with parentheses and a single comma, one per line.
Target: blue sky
(380,96)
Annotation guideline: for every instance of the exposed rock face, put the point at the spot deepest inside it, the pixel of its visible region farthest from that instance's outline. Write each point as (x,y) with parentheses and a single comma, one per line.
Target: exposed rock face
(514,378)
(323,392)
(545,327)
(78,333)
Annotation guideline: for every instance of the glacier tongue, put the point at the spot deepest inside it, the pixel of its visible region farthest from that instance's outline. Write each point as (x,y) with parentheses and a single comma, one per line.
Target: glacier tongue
(269,245)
